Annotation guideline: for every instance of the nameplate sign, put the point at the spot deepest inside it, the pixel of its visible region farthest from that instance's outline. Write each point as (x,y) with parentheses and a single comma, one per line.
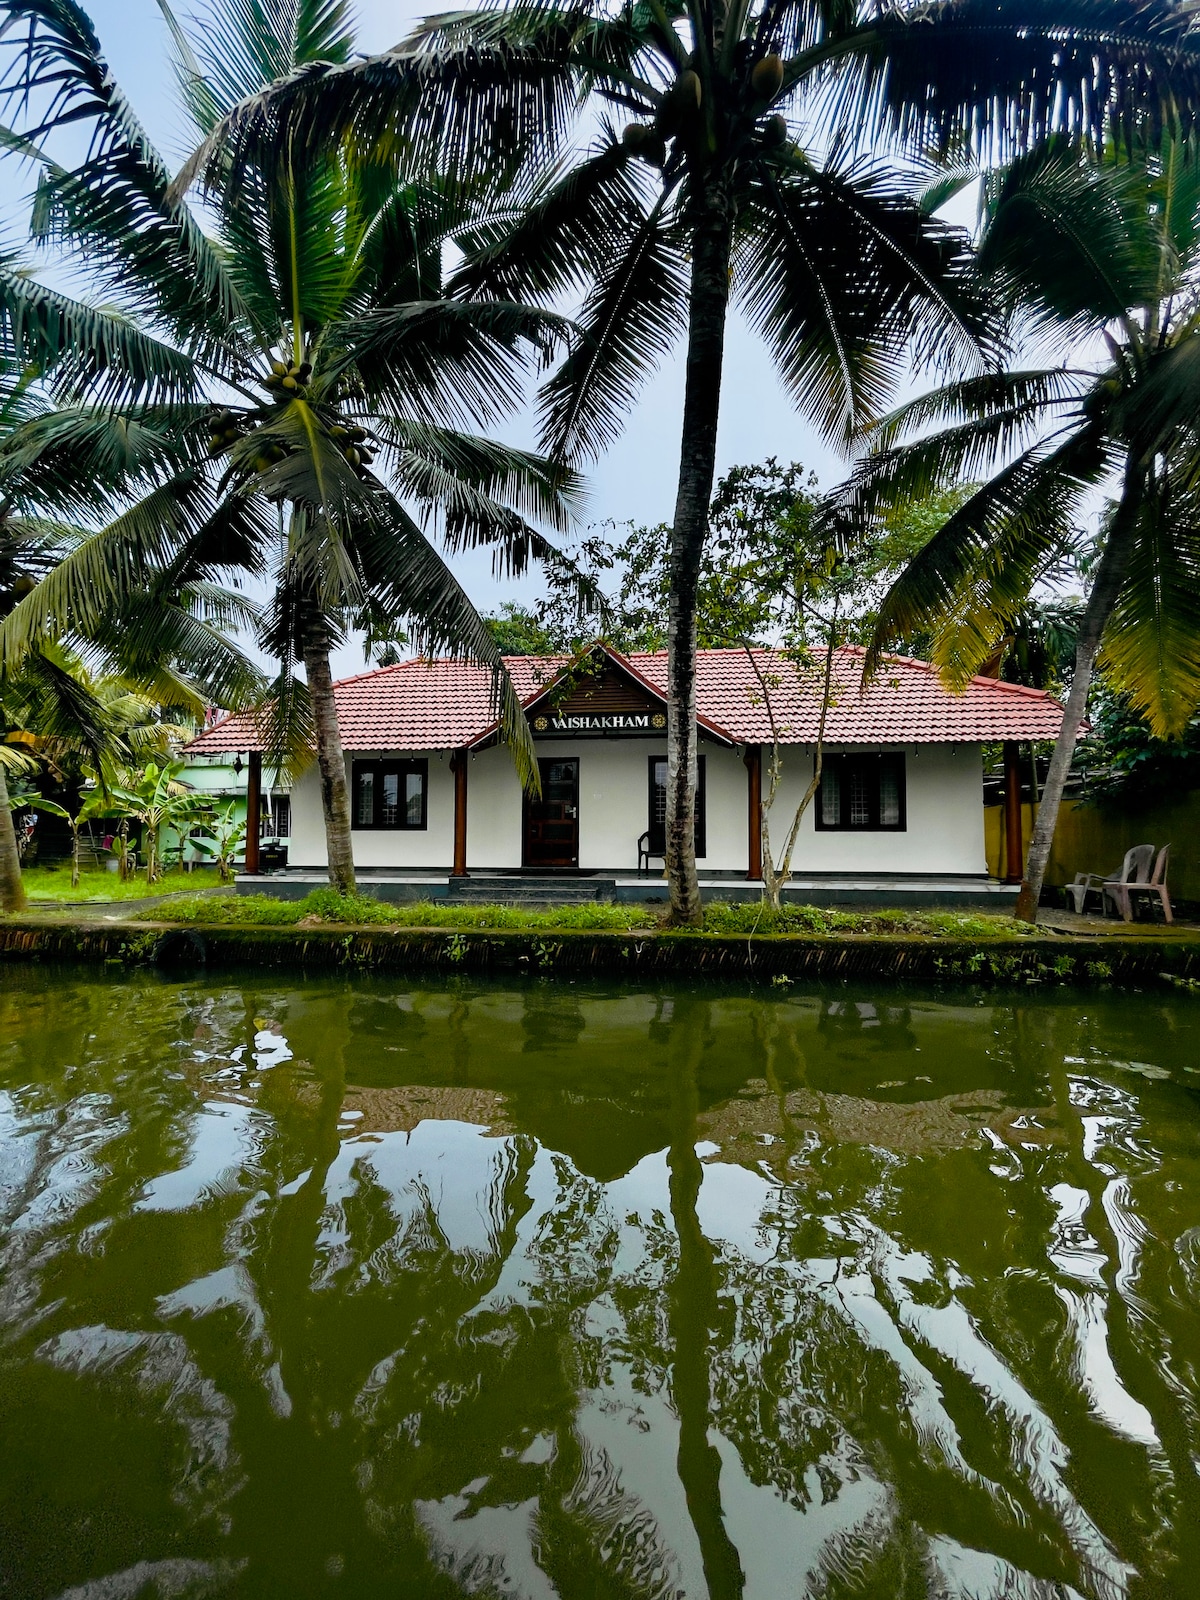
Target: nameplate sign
(598,725)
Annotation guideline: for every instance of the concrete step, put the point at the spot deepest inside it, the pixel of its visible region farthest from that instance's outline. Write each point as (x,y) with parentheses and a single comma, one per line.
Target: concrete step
(528,891)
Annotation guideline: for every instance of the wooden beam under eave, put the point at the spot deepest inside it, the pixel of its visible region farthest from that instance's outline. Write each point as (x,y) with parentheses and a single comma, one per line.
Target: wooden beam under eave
(753,760)
(458,765)
(1014,847)
(253,811)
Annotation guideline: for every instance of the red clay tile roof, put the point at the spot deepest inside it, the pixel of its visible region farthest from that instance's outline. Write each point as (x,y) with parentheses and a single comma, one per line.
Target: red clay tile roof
(445,704)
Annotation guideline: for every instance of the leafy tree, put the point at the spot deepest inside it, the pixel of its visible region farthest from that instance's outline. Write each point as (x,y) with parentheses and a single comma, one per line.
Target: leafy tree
(521,632)
(310,335)
(90,696)
(1125,763)
(1096,250)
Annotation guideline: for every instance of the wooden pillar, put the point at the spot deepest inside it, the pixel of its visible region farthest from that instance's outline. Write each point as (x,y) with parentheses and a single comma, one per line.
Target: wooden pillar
(458,765)
(753,760)
(1014,849)
(253,811)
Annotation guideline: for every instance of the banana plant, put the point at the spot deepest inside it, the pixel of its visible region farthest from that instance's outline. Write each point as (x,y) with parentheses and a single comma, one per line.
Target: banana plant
(328,389)
(96,803)
(159,799)
(221,837)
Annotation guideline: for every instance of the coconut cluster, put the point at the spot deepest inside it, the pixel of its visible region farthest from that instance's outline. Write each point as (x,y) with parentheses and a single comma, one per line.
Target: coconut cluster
(681,105)
(288,378)
(352,443)
(226,430)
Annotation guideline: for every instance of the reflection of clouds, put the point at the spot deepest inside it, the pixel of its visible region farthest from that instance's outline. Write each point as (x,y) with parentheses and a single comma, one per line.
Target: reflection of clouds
(179,1579)
(225,1149)
(232,1288)
(443,1184)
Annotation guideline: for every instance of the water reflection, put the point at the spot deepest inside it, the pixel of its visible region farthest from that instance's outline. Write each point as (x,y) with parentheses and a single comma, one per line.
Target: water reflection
(538,1291)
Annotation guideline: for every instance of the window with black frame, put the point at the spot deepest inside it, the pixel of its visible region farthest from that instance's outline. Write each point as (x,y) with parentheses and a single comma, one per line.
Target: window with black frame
(389,794)
(658,807)
(862,793)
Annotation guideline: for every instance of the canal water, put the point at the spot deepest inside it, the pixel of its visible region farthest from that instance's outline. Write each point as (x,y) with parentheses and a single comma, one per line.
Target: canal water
(358,1288)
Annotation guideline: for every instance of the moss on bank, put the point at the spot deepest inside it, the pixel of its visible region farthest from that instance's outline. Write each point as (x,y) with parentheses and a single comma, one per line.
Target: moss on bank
(326,908)
(636,956)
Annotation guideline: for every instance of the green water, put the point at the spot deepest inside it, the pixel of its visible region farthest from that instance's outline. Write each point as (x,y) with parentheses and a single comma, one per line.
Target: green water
(359,1289)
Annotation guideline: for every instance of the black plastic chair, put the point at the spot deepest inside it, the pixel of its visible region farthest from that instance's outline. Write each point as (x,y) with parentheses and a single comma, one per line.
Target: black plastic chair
(646,855)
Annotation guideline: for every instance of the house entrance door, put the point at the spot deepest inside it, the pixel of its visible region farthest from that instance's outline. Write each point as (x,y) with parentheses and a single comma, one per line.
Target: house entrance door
(552,823)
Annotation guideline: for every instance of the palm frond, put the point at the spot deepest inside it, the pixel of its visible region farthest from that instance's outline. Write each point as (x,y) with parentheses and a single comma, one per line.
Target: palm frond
(1151,647)
(87,348)
(145,245)
(632,316)
(407,579)
(93,580)
(430,464)
(997,76)
(845,278)
(450,108)
(1070,240)
(453,361)
(974,574)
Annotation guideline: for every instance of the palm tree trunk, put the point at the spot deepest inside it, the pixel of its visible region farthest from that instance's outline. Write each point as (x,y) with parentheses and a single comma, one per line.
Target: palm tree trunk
(697,465)
(331,760)
(12,890)
(1106,585)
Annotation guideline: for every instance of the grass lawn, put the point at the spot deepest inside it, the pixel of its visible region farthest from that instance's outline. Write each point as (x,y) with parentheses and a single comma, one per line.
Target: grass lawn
(52,885)
(324,907)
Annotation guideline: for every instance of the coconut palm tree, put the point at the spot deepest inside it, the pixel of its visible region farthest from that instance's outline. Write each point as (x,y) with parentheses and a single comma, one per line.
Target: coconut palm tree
(1108,253)
(706,195)
(308,336)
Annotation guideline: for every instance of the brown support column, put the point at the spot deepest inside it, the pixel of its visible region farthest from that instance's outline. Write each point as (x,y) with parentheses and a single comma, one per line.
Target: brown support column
(253,811)
(753,760)
(1014,849)
(458,765)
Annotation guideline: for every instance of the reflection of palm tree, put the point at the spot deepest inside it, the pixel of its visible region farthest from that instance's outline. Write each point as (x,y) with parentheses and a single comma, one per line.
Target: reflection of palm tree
(593,1538)
(693,1312)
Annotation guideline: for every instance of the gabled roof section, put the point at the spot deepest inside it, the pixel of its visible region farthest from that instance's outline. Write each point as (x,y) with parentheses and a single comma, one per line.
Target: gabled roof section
(446,704)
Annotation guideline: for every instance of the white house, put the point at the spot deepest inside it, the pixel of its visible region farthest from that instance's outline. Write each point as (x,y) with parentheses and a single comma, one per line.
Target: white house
(434,795)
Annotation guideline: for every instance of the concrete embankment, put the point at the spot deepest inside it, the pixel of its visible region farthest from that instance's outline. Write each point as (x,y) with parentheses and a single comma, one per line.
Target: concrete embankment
(1143,958)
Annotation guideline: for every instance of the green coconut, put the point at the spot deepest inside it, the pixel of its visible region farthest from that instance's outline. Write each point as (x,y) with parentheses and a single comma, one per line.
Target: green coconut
(767,77)
(775,131)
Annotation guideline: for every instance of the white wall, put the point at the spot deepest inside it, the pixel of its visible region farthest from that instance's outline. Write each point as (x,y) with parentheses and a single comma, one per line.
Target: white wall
(432,846)
(944,813)
(944,831)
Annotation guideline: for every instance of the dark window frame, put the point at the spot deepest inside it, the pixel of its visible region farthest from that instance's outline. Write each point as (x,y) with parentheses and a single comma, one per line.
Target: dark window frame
(658,832)
(875,761)
(380,768)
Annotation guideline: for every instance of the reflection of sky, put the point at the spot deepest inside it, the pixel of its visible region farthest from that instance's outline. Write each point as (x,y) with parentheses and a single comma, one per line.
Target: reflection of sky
(226,1140)
(447,1168)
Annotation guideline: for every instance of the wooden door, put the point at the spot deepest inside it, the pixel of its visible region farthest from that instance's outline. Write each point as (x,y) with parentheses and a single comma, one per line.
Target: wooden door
(552,822)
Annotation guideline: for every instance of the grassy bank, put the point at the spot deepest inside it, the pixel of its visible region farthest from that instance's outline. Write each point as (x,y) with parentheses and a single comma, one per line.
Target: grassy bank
(51,885)
(325,908)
